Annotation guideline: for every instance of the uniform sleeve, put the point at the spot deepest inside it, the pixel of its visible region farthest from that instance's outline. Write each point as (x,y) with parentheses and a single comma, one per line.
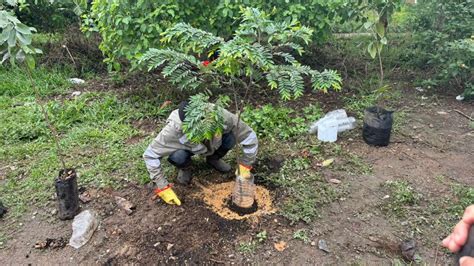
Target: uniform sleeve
(154,153)
(245,136)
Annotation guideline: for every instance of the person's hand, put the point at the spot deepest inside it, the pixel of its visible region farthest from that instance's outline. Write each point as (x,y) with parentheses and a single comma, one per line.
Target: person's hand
(244,171)
(167,195)
(456,240)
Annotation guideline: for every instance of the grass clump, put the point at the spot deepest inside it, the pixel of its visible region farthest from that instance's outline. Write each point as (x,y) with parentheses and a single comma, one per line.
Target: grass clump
(302,235)
(305,191)
(402,196)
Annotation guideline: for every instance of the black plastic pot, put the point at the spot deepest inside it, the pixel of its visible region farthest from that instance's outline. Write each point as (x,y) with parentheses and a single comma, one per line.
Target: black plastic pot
(67,194)
(377,126)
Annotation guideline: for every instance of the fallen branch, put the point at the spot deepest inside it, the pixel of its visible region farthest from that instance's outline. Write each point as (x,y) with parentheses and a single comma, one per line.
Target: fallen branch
(463,114)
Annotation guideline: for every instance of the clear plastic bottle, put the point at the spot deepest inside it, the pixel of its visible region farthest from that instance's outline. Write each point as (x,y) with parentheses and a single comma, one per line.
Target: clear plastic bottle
(346,124)
(336,114)
(83,227)
(243,195)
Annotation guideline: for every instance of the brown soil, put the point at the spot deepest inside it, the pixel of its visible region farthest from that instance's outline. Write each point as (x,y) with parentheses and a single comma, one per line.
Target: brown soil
(356,228)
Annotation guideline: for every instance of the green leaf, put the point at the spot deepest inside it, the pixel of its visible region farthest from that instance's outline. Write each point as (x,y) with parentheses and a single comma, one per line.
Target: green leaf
(384,41)
(12,39)
(24,38)
(380,29)
(372,49)
(20,27)
(30,62)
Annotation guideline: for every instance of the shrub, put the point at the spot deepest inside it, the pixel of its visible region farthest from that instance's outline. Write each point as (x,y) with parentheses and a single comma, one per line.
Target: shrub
(130,28)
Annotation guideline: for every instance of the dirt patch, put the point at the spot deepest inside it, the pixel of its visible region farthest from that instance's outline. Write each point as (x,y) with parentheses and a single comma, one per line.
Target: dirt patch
(217,197)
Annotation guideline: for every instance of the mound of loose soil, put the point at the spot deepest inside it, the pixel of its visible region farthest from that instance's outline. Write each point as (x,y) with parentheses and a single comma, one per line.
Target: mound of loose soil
(217,196)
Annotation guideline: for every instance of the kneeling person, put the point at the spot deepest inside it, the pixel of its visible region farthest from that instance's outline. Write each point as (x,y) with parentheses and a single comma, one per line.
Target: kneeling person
(198,129)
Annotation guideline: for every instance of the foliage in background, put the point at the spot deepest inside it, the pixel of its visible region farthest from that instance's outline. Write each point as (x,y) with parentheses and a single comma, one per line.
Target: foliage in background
(130,28)
(261,50)
(50,15)
(443,41)
(280,123)
(15,40)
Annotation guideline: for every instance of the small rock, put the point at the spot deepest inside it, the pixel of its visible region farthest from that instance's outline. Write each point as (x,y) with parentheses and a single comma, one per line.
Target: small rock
(124,204)
(85,197)
(76,93)
(322,245)
(408,249)
(156,244)
(386,197)
(419,89)
(442,113)
(334,181)
(169,246)
(431,126)
(313,243)
(231,256)
(54,212)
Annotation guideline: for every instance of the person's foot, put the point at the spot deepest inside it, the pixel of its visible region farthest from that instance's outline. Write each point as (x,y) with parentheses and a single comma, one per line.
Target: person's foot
(219,165)
(184,176)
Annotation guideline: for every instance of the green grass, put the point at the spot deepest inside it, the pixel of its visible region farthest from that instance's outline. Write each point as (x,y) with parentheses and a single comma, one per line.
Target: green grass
(93,127)
(302,235)
(306,190)
(402,195)
(247,247)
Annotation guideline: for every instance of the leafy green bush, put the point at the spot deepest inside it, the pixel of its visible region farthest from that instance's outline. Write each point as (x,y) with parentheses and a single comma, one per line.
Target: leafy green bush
(280,122)
(130,28)
(443,40)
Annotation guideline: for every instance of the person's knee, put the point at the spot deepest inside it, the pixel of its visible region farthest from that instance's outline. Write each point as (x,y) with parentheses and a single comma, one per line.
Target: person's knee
(228,141)
(180,158)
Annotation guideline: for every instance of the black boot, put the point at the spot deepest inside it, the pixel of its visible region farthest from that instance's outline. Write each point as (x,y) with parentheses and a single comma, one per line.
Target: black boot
(218,164)
(184,176)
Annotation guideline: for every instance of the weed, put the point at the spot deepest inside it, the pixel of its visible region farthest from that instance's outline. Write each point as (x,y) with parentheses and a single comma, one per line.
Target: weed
(402,195)
(463,197)
(262,236)
(302,235)
(3,241)
(247,247)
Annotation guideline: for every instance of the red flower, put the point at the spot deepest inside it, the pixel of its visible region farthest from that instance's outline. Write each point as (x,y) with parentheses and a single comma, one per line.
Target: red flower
(206,63)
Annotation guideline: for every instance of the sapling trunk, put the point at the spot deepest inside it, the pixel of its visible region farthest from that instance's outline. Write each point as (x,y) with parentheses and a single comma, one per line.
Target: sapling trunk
(66,181)
(381,67)
(46,118)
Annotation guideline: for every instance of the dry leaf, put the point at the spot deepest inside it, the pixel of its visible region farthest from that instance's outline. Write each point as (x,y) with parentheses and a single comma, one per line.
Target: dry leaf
(334,181)
(280,246)
(327,162)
